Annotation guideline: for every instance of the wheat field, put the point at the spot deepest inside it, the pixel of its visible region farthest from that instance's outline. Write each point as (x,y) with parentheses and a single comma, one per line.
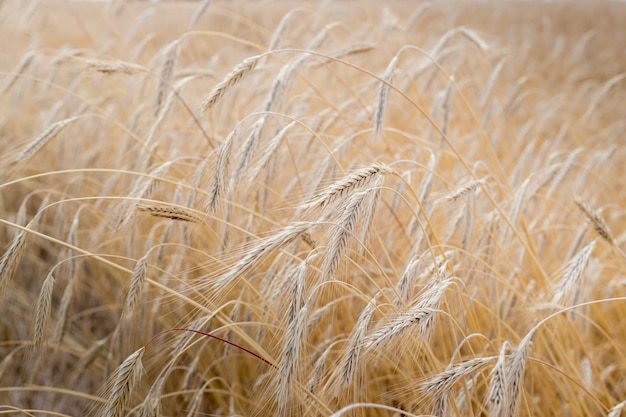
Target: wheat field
(301,208)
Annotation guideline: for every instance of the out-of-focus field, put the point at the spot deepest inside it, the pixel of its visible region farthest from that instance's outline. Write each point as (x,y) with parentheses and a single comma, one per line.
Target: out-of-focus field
(303,208)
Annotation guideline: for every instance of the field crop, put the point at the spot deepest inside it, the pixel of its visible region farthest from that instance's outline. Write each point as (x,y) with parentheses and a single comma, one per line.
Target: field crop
(299,208)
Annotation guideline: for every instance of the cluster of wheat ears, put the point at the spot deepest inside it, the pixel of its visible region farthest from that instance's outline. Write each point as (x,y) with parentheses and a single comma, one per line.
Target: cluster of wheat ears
(312,209)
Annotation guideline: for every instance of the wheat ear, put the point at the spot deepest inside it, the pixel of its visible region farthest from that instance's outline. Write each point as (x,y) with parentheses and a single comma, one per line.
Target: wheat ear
(616,411)
(339,238)
(115,67)
(261,251)
(124,380)
(572,276)
(169,212)
(349,363)
(465,189)
(221,173)
(383,94)
(236,75)
(136,285)
(10,260)
(423,313)
(41,140)
(165,76)
(444,381)
(515,374)
(596,220)
(42,310)
(292,351)
(496,395)
(346,185)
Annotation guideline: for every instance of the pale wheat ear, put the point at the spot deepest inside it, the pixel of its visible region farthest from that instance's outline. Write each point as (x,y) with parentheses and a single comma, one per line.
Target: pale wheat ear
(234,77)
(40,141)
(383,94)
(165,76)
(42,310)
(123,381)
(596,220)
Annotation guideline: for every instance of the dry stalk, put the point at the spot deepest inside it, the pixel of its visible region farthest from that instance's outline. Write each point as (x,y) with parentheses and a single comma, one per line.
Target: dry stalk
(236,75)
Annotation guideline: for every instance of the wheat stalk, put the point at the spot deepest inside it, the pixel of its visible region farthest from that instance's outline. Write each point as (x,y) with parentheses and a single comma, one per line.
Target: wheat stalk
(42,310)
(236,75)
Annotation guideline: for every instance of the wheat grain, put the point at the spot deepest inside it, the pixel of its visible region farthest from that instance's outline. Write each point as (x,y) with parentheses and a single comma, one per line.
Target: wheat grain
(235,76)
(42,310)
(124,380)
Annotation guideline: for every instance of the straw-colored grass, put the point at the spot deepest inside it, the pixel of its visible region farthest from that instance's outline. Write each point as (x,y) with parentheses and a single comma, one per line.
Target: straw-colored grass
(344,208)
